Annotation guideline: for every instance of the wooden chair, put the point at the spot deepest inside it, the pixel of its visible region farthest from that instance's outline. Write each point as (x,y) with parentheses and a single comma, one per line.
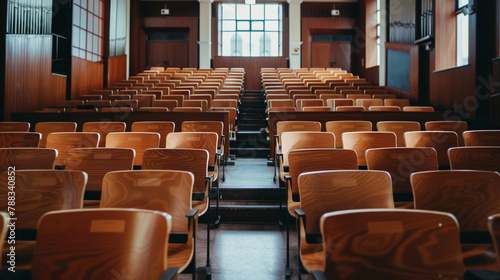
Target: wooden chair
(45,128)
(27,158)
(170,104)
(401,163)
(96,162)
(339,127)
(471,196)
(360,141)
(103,128)
(475,158)
(98,244)
(482,137)
(117,109)
(65,141)
(20,139)
(307,160)
(402,102)
(418,109)
(439,140)
(160,190)
(154,109)
(300,103)
(232,119)
(209,126)
(326,191)
(203,104)
(225,103)
(144,100)
(280,103)
(384,108)
(336,102)
(494,229)
(162,127)
(399,128)
(98,103)
(38,192)
(390,244)
(132,104)
(367,103)
(139,141)
(458,126)
(317,109)
(190,160)
(4,222)
(14,126)
(349,108)
(187,109)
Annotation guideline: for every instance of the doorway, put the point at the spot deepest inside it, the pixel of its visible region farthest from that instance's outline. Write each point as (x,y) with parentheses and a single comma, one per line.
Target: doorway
(167,48)
(331,51)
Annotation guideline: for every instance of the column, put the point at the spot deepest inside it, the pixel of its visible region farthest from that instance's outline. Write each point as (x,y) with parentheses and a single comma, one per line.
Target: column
(295,34)
(205,34)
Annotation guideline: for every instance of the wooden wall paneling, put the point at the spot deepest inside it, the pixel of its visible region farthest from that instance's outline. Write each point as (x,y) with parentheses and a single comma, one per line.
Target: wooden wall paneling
(445,30)
(135,38)
(494,101)
(117,69)
(29,83)
(3,29)
(85,77)
(371,75)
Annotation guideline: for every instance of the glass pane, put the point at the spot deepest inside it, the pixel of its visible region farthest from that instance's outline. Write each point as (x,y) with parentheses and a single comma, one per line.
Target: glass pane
(90,22)
(82,54)
(74,52)
(462,39)
(228,25)
(83,39)
(83,19)
(245,38)
(96,25)
(97,5)
(76,36)
(76,15)
(77,2)
(272,11)
(83,4)
(89,42)
(226,43)
(255,44)
(257,11)
(243,25)
(90,8)
(228,11)
(95,40)
(257,25)
(101,14)
(272,25)
(462,3)
(243,11)
(274,46)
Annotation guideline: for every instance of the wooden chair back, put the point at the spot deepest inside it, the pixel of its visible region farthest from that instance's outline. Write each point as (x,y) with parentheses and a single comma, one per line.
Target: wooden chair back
(368,102)
(63,142)
(494,229)
(103,128)
(391,244)
(45,128)
(67,242)
(161,127)
(360,141)
(20,139)
(205,126)
(27,158)
(458,126)
(293,140)
(475,158)
(14,126)
(482,137)
(349,108)
(287,126)
(139,141)
(418,109)
(170,104)
(402,102)
(384,108)
(439,140)
(339,127)
(399,128)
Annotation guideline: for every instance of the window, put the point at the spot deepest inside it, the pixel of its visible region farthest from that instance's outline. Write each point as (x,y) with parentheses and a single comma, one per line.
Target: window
(462,33)
(87,29)
(250,30)
(117,27)
(379,42)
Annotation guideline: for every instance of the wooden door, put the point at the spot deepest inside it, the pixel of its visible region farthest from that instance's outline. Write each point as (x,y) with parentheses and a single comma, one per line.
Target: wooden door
(167,48)
(331,54)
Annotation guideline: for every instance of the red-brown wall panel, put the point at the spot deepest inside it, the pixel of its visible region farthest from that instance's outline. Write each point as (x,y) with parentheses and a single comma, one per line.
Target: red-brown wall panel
(117,69)
(85,76)
(29,83)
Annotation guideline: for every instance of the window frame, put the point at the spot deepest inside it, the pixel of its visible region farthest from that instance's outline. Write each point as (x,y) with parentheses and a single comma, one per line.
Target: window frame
(87,52)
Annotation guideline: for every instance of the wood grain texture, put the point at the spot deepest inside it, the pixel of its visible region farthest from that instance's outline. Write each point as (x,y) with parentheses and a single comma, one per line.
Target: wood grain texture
(162,127)
(100,247)
(439,140)
(4,221)
(45,128)
(458,126)
(204,126)
(160,190)
(14,126)
(339,127)
(360,141)
(116,69)
(96,162)
(482,138)
(391,244)
(63,142)
(293,140)
(85,77)
(29,83)
(475,158)
(401,163)
(27,158)
(190,160)
(494,229)
(103,128)
(471,196)
(139,141)
(19,139)
(399,128)
(41,191)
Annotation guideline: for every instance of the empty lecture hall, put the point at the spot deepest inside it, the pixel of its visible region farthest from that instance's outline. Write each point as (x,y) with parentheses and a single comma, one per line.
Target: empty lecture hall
(250,139)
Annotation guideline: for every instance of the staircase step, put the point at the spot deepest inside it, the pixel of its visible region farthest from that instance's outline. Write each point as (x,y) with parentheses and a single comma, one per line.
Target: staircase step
(250,152)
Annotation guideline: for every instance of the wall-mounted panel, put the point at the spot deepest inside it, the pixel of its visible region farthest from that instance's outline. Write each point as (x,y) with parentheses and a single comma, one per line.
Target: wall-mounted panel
(85,76)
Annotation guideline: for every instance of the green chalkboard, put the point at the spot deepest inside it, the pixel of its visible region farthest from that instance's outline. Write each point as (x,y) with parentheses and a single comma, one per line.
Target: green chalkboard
(398,69)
